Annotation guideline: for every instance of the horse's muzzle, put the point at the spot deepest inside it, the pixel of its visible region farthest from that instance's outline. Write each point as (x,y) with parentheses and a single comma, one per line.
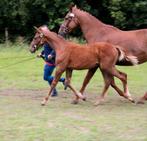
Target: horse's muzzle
(63,34)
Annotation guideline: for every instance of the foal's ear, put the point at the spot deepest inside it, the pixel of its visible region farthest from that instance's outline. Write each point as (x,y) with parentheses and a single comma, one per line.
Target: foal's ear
(37,29)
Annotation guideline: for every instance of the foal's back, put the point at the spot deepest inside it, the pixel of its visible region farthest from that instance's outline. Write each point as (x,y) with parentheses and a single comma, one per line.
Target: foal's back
(89,55)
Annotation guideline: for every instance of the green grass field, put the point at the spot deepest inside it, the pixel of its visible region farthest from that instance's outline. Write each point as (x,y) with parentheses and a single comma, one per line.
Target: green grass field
(23,119)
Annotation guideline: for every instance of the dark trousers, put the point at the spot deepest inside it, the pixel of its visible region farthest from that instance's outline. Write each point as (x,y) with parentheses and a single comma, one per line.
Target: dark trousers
(48,70)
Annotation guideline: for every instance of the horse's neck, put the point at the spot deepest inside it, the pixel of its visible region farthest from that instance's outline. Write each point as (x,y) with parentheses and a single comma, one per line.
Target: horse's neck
(86,20)
(92,27)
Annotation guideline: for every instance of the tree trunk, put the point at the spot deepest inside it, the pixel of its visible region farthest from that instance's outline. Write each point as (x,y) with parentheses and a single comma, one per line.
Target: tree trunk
(6,36)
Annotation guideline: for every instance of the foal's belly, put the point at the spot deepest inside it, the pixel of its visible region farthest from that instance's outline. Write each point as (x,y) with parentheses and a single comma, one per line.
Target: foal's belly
(81,65)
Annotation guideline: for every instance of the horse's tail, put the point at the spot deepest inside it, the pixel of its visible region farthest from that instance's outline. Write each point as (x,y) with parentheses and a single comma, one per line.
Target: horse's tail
(123,56)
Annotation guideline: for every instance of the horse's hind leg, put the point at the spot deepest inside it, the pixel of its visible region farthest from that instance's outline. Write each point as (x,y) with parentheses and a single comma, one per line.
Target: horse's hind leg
(88,77)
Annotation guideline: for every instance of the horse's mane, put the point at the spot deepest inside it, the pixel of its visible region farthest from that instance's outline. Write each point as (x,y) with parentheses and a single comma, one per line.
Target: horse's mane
(97,20)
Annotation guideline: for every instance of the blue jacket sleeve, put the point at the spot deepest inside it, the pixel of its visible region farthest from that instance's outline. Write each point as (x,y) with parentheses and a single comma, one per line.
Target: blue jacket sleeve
(53,53)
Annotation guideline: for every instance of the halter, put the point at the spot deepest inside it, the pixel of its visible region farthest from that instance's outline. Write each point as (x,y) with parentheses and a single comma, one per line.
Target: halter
(70,18)
(41,36)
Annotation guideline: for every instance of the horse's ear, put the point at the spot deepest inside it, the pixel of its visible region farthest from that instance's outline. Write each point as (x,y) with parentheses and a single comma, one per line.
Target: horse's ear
(75,6)
(71,6)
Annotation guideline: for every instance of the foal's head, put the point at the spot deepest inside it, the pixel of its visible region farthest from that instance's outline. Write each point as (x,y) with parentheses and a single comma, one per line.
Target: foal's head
(38,40)
(70,22)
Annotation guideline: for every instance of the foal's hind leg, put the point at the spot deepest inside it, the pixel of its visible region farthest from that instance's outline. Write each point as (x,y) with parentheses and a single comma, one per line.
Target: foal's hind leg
(125,86)
(123,77)
(88,77)
(120,92)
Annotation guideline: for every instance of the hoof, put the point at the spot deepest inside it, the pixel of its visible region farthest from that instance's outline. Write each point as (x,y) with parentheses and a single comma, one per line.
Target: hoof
(75,102)
(65,87)
(133,101)
(43,103)
(96,103)
(84,99)
(140,102)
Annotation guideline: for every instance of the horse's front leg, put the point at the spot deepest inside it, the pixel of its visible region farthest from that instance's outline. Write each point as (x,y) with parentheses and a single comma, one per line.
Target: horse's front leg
(87,79)
(68,80)
(58,74)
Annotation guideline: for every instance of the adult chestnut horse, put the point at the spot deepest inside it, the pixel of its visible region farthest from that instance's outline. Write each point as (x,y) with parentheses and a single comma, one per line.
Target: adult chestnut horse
(134,42)
(71,56)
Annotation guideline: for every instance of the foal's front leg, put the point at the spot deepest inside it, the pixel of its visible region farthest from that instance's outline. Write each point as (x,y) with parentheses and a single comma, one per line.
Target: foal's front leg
(87,79)
(107,82)
(58,74)
(68,80)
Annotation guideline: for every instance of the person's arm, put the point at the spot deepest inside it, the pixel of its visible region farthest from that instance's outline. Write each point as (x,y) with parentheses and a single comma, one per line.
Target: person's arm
(53,54)
(41,55)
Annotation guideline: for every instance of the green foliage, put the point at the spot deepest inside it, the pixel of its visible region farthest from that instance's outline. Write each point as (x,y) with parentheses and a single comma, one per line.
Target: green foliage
(129,14)
(19,16)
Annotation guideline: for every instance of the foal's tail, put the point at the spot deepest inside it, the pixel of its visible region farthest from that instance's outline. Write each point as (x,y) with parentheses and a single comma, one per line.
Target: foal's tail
(123,56)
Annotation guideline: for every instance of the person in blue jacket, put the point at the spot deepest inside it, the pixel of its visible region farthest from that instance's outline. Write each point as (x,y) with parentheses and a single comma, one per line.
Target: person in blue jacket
(48,55)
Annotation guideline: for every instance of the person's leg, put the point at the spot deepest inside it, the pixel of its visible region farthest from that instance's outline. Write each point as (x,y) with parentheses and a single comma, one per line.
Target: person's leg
(48,70)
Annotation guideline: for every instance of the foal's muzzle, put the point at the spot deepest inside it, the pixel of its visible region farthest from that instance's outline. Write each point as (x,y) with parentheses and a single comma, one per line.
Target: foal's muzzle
(33,48)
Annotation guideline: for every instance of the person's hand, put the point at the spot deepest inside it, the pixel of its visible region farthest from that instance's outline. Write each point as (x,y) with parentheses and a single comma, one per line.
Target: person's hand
(39,55)
(50,57)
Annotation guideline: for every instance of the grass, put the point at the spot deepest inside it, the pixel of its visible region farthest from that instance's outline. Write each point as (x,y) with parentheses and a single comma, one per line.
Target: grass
(23,119)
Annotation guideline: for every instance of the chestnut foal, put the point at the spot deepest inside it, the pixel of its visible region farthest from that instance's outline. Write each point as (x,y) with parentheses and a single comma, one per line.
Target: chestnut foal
(70,56)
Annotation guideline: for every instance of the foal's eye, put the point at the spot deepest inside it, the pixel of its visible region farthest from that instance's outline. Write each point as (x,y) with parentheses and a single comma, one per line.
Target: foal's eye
(35,38)
(66,18)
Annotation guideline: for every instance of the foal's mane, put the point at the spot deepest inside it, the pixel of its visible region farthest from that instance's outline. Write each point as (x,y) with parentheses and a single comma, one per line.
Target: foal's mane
(45,29)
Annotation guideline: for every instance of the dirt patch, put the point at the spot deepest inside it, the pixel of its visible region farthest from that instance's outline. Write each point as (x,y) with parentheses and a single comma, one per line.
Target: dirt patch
(30,93)
(34,94)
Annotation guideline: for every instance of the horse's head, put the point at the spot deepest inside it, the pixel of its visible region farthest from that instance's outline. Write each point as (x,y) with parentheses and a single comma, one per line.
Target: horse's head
(70,22)
(38,40)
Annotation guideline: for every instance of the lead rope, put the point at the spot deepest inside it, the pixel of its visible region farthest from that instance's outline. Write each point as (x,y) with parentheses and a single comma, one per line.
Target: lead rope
(24,60)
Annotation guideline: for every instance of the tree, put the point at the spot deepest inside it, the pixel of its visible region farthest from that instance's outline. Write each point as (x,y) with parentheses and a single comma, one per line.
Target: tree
(19,16)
